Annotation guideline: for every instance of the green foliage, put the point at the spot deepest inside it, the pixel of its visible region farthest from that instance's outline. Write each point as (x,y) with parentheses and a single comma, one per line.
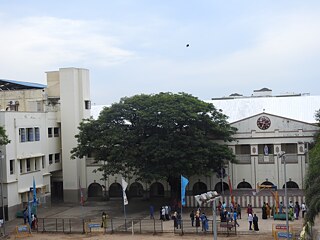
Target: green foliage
(312,180)
(157,137)
(4,140)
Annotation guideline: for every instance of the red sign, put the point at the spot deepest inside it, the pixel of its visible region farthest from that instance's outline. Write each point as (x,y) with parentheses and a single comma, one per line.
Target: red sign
(281,226)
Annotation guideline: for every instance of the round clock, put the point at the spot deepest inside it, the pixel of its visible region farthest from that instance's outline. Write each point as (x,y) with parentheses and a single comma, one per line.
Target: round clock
(263,122)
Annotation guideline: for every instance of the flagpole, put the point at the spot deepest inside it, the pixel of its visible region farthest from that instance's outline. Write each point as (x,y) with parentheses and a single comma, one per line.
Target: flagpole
(125,200)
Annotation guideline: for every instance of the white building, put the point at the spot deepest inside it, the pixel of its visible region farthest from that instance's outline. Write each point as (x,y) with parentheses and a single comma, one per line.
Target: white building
(41,122)
(266,126)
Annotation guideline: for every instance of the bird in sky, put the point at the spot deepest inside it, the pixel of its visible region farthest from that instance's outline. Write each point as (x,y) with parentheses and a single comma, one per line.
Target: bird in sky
(187,45)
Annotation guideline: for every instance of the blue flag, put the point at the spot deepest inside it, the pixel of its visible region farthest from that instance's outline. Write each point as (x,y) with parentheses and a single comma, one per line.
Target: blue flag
(34,193)
(184,183)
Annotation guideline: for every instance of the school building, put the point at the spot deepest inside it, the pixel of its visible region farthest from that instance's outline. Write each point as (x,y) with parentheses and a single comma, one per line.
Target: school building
(42,120)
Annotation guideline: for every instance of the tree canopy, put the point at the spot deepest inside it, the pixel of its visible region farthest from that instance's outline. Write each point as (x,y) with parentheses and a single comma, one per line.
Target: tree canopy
(157,137)
(313,178)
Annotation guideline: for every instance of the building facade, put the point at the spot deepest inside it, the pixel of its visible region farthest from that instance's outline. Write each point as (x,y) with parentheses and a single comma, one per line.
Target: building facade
(41,122)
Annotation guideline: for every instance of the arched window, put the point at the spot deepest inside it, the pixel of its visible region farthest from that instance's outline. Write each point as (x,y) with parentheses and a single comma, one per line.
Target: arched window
(95,190)
(199,188)
(291,184)
(136,190)
(244,185)
(218,187)
(115,190)
(156,190)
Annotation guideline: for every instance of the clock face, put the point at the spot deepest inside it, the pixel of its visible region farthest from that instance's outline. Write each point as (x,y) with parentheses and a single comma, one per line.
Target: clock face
(263,122)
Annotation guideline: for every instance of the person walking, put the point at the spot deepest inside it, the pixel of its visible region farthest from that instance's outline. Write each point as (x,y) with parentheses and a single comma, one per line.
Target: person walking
(303,209)
(104,222)
(250,219)
(255,223)
(239,210)
(235,217)
(192,217)
(151,209)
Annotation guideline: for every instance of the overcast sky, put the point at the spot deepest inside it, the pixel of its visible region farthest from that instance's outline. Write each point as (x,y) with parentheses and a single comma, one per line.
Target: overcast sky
(139,46)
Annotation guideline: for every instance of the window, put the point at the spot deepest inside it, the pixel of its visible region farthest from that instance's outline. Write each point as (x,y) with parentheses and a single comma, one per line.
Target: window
(21,166)
(50,158)
(57,157)
(12,166)
(22,133)
(56,132)
(49,132)
(28,165)
(43,161)
(35,164)
(87,104)
(30,135)
(37,133)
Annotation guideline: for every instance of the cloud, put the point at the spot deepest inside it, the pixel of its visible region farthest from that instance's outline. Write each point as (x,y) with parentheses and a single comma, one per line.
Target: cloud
(42,42)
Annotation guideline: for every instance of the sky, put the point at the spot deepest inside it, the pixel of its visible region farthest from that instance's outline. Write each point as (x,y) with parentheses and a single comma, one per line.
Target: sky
(139,46)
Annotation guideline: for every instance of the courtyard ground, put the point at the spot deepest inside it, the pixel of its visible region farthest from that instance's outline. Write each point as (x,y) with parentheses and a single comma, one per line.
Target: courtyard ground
(137,209)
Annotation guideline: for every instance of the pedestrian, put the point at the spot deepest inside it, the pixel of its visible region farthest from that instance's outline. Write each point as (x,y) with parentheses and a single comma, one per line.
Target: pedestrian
(255,223)
(163,214)
(204,220)
(297,210)
(174,218)
(178,220)
(280,207)
(166,209)
(249,209)
(151,209)
(235,217)
(264,211)
(303,209)
(268,210)
(239,210)
(25,215)
(192,217)
(104,221)
(250,219)
(198,218)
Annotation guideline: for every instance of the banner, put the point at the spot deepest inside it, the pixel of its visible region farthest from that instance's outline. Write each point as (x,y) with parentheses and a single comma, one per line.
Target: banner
(184,183)
(124,187)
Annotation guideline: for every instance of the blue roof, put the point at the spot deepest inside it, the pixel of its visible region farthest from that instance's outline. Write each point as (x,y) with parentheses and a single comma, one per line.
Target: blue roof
(12,85)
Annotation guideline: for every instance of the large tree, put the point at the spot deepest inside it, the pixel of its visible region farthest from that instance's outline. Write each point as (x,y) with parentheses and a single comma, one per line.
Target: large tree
(313,179)
(154,137)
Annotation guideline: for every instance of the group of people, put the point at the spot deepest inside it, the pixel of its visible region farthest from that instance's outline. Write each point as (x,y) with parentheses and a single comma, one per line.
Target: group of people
(197,217)
(34,219)
(294,209)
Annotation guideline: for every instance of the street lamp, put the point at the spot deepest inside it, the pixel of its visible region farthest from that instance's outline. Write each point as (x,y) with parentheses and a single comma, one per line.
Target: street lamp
(207,198)
(281,155)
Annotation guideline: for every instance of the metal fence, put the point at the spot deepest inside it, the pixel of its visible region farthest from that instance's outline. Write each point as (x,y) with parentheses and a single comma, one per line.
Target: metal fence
(130,225)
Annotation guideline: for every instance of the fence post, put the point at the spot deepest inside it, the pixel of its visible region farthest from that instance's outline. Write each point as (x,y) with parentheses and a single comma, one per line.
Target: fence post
(154,226)
(83,226)
(43,227)
(70,224)
(56,224)
(181,226)
(140,226)
(112,226)
(161,226)
(63,225)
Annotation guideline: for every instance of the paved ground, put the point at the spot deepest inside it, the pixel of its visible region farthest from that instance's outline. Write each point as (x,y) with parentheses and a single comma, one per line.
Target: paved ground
(137,209)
